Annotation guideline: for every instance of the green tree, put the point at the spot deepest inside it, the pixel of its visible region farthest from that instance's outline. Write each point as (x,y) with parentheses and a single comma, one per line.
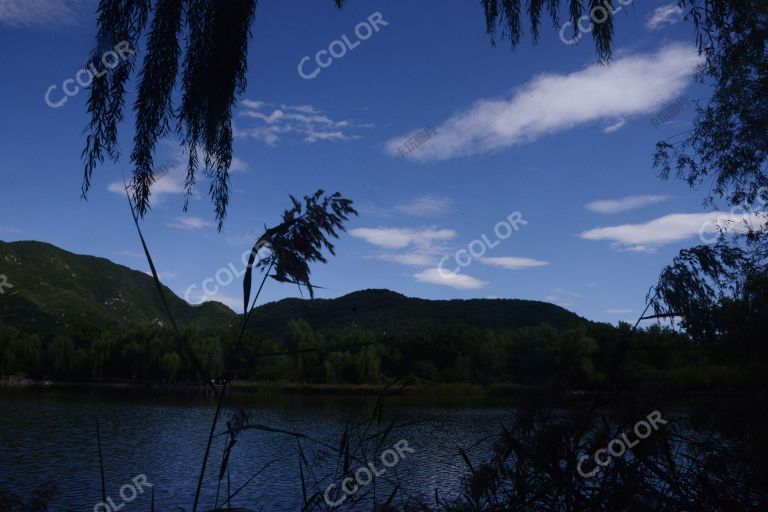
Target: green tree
(61,351)
(170,364)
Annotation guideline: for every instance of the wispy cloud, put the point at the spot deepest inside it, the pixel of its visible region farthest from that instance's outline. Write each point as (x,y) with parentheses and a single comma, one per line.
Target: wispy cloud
(668,14)
(304,122)
(563,298)
(550,103)
(189,223)
(618,125)
(676,227)
(625,203)
(401,238)
(9,229)
(512,262)
(41,13)
(416,247)
(414,259)
(452,279)
(427,206)
(238,165)
(618,311)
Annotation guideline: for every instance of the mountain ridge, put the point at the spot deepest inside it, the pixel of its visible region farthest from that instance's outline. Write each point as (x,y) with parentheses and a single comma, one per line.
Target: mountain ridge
(55,288)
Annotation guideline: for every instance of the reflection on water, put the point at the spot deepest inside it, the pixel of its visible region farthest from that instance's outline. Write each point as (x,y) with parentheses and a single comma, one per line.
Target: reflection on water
(49,436)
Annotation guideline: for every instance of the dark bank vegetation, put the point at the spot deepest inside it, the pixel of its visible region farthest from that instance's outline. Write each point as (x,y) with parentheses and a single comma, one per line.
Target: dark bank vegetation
(541,355)
(84,319)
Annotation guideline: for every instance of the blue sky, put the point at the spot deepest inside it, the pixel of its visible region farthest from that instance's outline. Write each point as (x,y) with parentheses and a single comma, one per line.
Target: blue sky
(542,130)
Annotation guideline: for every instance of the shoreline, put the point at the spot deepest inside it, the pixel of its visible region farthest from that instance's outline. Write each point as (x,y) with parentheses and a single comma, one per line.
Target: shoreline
(442,392)
(256,387)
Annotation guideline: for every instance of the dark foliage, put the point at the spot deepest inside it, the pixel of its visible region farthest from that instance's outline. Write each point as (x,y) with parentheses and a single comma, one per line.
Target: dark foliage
(300,239)
(707,461)
(709,287)
(720,296)
(37,502)
(728,144)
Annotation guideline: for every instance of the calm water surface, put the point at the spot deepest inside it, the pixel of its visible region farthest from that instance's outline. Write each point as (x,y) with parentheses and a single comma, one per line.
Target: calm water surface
(49,436)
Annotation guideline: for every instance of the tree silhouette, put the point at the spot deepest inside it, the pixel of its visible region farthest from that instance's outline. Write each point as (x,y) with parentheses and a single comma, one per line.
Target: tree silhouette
(726,150)
(729,140)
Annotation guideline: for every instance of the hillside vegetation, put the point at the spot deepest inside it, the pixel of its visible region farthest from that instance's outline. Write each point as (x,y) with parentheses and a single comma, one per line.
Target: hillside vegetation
(73,317)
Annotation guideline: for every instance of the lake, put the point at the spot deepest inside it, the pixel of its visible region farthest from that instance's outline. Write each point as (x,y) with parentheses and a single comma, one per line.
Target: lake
(49,435)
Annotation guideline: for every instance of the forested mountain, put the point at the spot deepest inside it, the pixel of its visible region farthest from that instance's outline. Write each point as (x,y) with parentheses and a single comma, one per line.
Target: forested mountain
(54,288)
(388,312)
(73,317)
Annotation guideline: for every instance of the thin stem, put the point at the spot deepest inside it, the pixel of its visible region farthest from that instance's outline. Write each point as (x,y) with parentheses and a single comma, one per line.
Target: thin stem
(223,392)
(101,464)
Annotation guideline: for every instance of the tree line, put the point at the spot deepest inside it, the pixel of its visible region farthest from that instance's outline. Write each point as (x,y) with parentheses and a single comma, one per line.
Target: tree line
(431,354)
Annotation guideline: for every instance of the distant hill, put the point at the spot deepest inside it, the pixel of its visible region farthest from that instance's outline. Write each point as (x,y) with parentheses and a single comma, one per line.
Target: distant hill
(385,311)
(54,288)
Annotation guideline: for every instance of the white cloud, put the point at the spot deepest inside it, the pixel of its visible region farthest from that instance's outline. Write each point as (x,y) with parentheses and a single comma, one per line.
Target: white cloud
(550,103)
(675,227)
(238,165)
(253,104)
(419,247)
(189,223)
(368,208)
(336,135)
(40,13)
(274,123)
(415,259)
(512,262)
(170,183)
(447,278)
(618,125)
(400,238)
(625,203)
(618,311)
(9,229)
(668,14)
(427,206)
